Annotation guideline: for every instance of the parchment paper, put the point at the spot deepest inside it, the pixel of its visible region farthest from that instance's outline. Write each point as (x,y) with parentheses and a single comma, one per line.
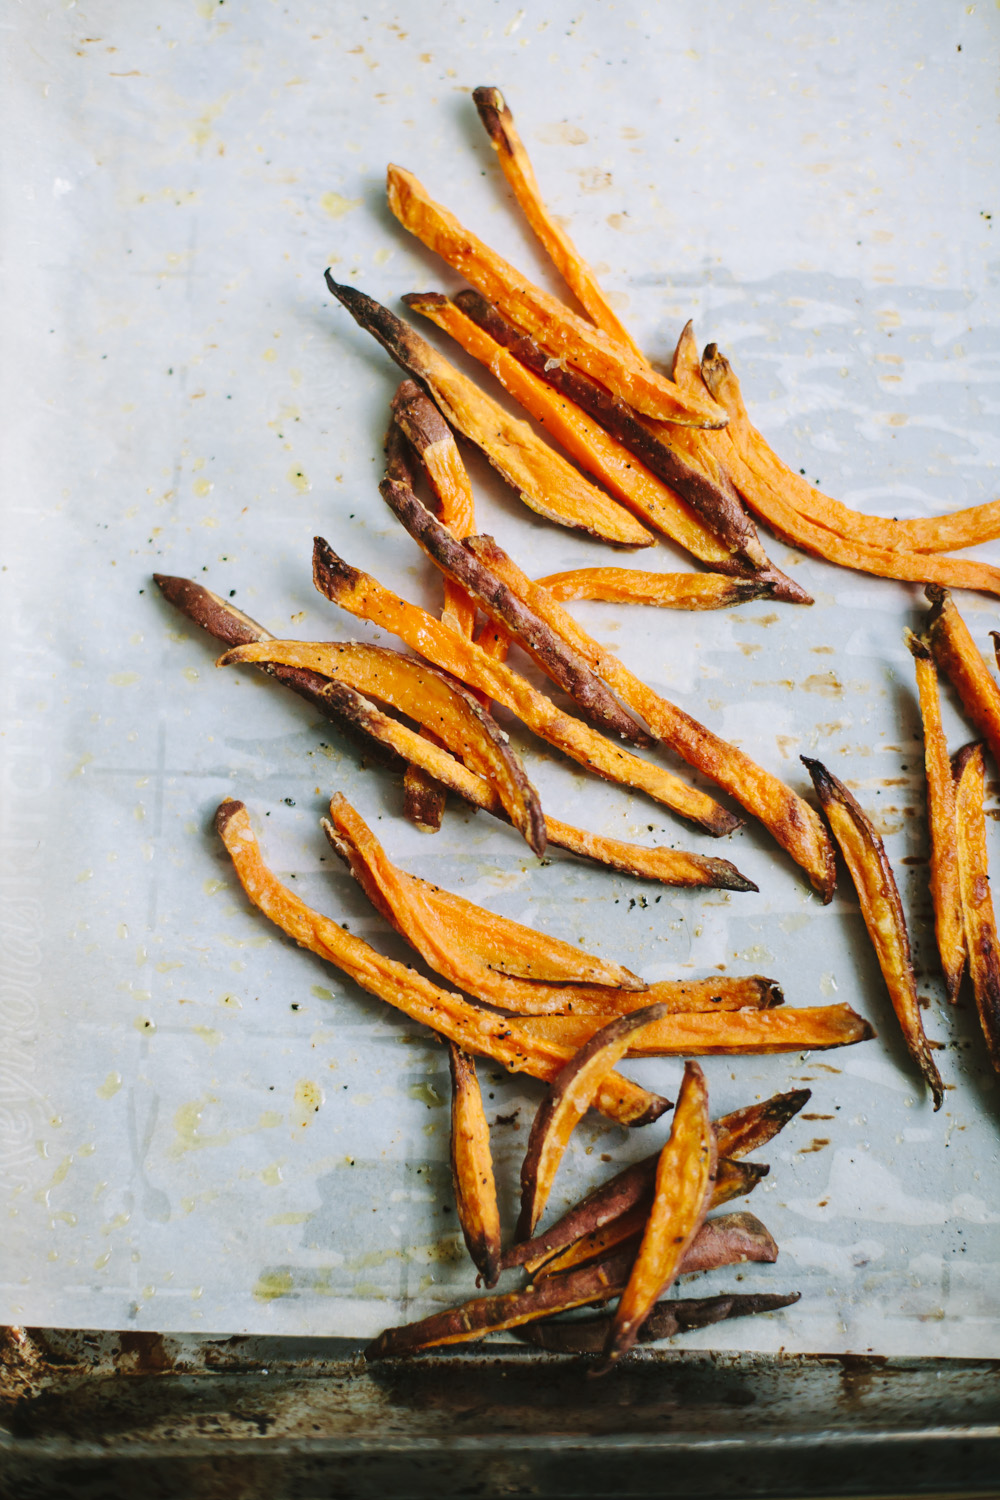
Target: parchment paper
(203,1127)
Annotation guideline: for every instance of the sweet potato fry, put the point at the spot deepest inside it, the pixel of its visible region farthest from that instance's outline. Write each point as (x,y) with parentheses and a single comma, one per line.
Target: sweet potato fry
(866,859)
(806,1028)
(738,458)
(472,1167)
(557,660)
(362,595)
(945,533)
(663,590)
(685,1176)
(541,477)
(736,1134)
(672,1316)
(561,331)
(613,465)
(946,896)
(733,1180)
(564,1106)
(516,167)
(958,656)
(679,996)
(395,744)
(469,1026)
(695,473)
(437,702)
(729,1239)
(791,820)
(977,903)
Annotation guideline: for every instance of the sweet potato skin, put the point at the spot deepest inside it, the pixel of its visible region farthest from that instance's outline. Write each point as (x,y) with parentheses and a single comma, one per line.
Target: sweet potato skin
(362,595)
(977,902)
(866,859)
(804,1028)
(472,1167)
(668,1318)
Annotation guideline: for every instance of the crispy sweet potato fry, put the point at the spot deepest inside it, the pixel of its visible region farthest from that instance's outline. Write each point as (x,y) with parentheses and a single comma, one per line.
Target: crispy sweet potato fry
(958,656)
(362,595)
(733,1180)
(685,1176)
(663,590)
(469,1026)
(668,1318)
(866,859)
(516,167)
(561,331)
(791,820)
(396,745)
(806,1028)
(728,1239)
(677,995)
(736,1134)
(945,533)
(437,702)
(557,660)
(739,459)
(623,474)
(977,903)
(541,477)
(946,896)
(695,473)
(564,1106)
(472,1167)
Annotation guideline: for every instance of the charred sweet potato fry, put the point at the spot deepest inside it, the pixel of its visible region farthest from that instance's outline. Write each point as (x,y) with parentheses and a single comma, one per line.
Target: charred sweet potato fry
(977,903)
(729,1239)
(805,1028)
(362,595)
(564,1106)
(663,590)
(694,473)
(791,820)
(516,167)
(946,896)
(866,859)
(958,656)
(561,331)
(733,1180)
(469,1026)
(395,744)
(557,660)
(685,1176)
(737,455)
(435,700)
(672,1316)
(472,1167)
(750,992)
(541,477)
(620,472)
(736,1134)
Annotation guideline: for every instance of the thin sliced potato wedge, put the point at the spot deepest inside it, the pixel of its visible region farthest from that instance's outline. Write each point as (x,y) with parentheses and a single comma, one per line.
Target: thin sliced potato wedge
(472,1167)
(958,656)
(662,590)
(672,1316)
(802,1029)
(977,903)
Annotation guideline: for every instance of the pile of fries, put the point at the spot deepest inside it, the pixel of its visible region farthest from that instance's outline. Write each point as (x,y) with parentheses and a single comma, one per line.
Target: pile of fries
(677,457)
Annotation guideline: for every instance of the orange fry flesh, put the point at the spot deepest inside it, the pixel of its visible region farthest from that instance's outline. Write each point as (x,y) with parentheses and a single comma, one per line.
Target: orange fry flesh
(469,1026)
(678,996)
(586,442)
(703,1034)
(516,167)
(792,821)
(564,1106)
(365,597)
(472,1167)
(977,903)
(866,859)
(958,656)
(663,590)
(946,895)
(540,476)
(685,1176)
(734,449)
(561,331)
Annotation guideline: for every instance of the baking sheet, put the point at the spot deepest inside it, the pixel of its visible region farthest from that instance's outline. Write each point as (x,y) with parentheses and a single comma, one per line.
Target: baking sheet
(815,187)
